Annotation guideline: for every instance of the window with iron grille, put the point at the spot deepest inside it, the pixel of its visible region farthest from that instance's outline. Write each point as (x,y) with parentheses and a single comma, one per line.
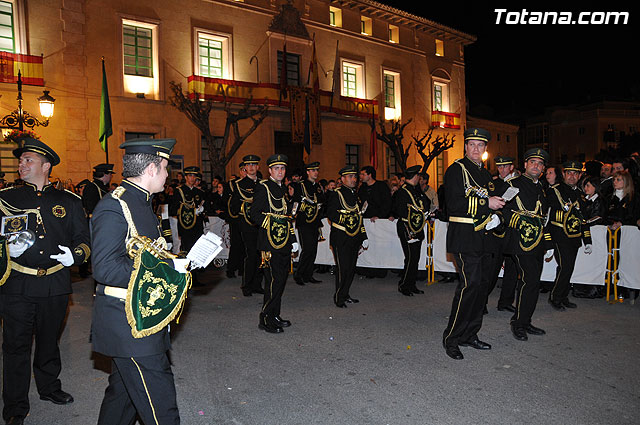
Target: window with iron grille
(293,68)
(138,53)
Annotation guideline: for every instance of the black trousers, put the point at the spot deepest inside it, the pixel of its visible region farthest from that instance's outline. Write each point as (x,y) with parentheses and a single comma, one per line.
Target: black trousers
(140,387)
(236,249)
(276,273)
(411,257)
(529,268)
(345,253)
(251,274)
(309,245)
(509,279)
(565,255)
(469,299)
(23,318)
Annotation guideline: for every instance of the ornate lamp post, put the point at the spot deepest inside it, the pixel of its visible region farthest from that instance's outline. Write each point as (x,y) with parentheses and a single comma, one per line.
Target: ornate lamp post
(19,119)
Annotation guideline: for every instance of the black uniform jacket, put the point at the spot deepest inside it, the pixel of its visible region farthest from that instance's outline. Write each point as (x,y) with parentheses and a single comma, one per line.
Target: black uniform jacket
(566,218)
(311,203)
(63,223)
(111,333)
(242,199)
(275,234)
(378,198)
(92,194)
(187,194)
(338,202)
(532,198)
(462,204)
(408,200)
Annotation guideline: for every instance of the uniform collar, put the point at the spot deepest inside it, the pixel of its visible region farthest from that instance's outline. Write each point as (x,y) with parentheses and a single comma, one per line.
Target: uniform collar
(531,178)
(35,188)
(481,165)
(139,190)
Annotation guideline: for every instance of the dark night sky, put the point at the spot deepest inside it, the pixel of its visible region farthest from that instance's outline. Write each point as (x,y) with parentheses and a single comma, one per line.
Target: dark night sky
(520,69)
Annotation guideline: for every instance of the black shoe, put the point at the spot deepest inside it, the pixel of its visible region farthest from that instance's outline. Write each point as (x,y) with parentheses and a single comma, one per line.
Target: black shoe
(231,275)
(530,329)
(270,328)
(351,301)
(314,280)
(417,291)
(299,281)
(454,352)
(282,322)
(57,397)
(477,344)
(15,420)
(544,290)
(508,308)
(556,306)
(405,292)
(247,292)
(569,304)
(341,305)
(258,291)
(519,333)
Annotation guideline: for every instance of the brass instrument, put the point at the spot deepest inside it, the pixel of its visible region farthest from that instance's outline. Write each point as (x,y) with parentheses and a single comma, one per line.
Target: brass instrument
(157,247)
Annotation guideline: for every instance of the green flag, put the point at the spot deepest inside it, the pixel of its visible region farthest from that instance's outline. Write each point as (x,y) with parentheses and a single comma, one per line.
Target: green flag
(106,128)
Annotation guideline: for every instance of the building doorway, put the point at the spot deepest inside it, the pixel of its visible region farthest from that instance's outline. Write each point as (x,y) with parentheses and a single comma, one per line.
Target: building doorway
(284,145)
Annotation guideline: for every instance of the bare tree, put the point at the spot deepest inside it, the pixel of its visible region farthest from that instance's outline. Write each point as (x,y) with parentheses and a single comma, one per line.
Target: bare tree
(393,139)
(199,113)
(430,149)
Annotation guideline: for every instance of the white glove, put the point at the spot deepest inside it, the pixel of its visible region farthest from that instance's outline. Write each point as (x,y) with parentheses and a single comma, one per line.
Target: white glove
(16,250)
(199,210)
(365,244)
(548,254)
(295,247)
(181,264)
(65,257)
(495,221)
(588,248)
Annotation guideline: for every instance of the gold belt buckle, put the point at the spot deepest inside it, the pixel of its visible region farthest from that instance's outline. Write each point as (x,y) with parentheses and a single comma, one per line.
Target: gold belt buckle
(41,272)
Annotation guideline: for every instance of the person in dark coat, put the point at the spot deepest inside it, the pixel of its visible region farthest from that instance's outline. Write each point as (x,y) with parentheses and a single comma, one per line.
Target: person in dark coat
(141,381)
(470,206)
(36,284)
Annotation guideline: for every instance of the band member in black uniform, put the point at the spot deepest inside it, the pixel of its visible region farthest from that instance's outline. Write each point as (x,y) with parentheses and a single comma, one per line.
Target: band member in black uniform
(92,194)
(36,280)
(506,171)
(469,204)
(187,205)
(567,231)
(347,233)
(236,248)
(94,191)
(141,380)
(310,198)
(525,217)
(276,240)
(410,205)
(241,203)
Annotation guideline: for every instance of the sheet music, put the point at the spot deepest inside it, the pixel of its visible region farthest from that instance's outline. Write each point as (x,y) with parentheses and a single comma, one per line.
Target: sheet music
(205,250)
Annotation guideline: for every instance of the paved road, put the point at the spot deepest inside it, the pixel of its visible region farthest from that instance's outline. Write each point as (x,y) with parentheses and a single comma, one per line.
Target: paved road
(378,362)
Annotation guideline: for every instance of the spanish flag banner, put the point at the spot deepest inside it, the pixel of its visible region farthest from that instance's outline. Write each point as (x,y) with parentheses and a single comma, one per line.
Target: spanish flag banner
(29,66)
(445,120)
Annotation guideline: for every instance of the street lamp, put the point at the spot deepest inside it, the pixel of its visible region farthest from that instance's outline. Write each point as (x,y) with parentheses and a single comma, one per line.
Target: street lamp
(19,119)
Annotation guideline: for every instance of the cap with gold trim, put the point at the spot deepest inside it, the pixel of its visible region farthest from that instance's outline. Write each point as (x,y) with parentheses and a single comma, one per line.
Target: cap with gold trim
(349,169)
(250,159)
(277,159)
(477,134)
(158,147)
(412,171)
(536,153)
(572,166)
(503,160)
(312,166)
(34,145)
(192,170)
(104,168)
